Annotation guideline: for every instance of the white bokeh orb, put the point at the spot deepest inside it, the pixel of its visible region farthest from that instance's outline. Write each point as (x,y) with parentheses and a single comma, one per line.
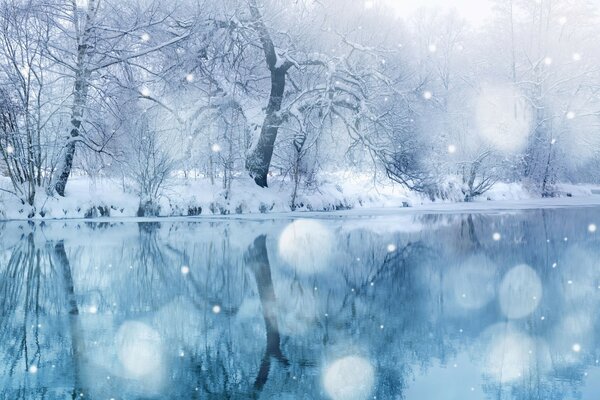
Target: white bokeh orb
(511,355)
(592,228)
(175,320)
(471,284)
(298,309)
(306,245)
(503,118)
(573,337)
(520,292)
(349,378)
(139,349)
(579,265)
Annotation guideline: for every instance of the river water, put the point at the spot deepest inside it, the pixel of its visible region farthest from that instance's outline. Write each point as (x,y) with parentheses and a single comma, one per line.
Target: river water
(432,306)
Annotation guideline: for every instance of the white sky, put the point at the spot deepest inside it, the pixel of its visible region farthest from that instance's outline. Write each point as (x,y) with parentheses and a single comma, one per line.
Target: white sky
(474,11)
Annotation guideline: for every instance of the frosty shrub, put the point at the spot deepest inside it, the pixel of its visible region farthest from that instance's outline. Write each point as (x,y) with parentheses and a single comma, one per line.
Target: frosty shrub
(148,164)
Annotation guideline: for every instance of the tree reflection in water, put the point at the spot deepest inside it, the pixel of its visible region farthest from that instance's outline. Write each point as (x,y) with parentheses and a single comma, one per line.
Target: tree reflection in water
(212,310)
(257,261)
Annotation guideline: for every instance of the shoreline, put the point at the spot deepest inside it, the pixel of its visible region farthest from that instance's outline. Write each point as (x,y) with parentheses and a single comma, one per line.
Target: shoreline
(475,207)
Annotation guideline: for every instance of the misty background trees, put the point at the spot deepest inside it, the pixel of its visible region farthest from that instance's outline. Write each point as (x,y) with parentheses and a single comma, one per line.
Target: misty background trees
(144,92)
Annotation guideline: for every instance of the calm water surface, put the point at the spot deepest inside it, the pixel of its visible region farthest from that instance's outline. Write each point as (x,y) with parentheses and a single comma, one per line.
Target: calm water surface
(447,306)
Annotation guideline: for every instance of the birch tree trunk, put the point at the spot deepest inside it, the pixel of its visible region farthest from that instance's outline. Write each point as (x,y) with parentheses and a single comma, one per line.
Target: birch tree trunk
(79,102)
(80,91)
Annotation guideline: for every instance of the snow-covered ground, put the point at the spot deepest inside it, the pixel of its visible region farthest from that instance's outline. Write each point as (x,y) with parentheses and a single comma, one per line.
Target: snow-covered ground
(189,197)
(345,194)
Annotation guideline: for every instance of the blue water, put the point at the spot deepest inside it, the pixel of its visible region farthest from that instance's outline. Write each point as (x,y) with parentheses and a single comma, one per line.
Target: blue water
(464,306)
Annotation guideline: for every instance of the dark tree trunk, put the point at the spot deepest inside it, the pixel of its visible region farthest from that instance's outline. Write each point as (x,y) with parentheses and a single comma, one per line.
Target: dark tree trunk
(259,159)
(65,171)
(77,344)
(258,261)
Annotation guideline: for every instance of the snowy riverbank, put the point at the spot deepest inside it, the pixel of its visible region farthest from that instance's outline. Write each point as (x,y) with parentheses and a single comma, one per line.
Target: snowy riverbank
(192,197)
